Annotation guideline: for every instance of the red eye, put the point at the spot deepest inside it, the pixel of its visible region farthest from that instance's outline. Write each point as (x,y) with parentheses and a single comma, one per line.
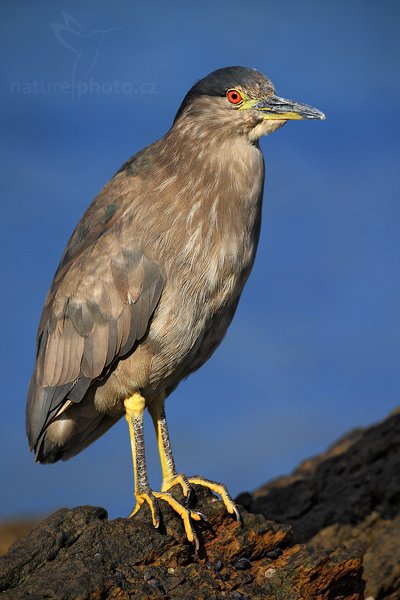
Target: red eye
(234,96)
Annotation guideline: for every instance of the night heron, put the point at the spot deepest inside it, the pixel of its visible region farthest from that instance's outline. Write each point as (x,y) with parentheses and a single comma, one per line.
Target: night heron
(151,278)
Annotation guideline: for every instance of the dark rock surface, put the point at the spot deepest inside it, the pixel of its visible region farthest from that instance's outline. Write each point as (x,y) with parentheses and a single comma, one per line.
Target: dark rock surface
(335,512)
(348,496)
(78,554)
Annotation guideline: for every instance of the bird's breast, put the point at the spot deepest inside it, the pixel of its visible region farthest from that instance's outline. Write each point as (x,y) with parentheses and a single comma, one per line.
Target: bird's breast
(215,242)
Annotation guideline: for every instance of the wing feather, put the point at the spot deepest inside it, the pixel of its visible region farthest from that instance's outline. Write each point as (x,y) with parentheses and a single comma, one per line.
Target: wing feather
(90,321)
(50,365)
(65,358)
(95,351)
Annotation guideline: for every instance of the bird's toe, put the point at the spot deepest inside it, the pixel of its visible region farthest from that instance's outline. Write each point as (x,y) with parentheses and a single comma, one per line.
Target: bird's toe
(186,515)
(148,498)
(218,488)
(178,479)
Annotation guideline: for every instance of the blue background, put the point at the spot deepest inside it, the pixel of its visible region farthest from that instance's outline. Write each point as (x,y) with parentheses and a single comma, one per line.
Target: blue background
(314,348)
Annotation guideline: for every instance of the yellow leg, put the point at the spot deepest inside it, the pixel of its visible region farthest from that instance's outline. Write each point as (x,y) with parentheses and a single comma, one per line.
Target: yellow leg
(170,475)
(134,407)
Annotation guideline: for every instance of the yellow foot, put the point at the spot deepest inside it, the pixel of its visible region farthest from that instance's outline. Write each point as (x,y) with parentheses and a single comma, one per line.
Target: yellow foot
(218,488)
(151,498)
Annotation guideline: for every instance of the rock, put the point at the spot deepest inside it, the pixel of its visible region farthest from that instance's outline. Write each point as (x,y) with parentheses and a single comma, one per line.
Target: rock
(349,495)
(336,511)
(78,553)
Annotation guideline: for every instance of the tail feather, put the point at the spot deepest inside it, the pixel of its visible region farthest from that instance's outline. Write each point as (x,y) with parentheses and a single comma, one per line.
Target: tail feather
(70,433)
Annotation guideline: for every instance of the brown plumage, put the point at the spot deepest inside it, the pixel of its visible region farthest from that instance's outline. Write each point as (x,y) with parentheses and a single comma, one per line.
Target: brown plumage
(153,273)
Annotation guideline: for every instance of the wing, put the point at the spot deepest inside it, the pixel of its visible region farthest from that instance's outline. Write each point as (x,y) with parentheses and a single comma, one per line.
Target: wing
(99,306)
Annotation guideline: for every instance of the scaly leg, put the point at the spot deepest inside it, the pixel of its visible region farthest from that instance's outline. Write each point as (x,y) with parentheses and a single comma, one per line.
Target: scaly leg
(134,407)
(170,475)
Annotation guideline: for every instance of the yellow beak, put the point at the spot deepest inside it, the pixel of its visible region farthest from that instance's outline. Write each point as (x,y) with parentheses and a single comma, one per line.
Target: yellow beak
(274,107)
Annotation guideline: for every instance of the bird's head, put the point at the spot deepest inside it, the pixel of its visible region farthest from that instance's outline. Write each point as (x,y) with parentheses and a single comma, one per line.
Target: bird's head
(239,101)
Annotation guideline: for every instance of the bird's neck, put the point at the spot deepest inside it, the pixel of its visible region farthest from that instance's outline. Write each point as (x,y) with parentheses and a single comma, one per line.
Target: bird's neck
(213,164)
(213,187)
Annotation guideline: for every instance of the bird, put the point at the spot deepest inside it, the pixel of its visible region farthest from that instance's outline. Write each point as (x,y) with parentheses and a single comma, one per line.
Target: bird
(150,281)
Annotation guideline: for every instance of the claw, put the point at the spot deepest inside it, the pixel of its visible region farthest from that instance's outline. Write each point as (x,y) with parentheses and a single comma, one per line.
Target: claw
(196,542)
(237,513)
(202,516)
(189,497)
